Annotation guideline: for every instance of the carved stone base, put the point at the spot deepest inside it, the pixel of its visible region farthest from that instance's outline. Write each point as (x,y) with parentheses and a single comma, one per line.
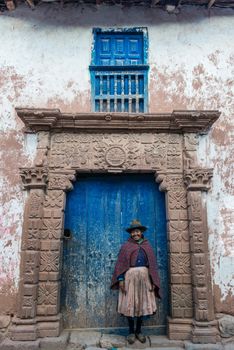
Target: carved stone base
(23,332)
(39,327)
(205,332)
(179,328)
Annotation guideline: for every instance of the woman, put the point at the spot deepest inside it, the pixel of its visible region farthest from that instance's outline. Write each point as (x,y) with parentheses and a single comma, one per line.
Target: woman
(136,277)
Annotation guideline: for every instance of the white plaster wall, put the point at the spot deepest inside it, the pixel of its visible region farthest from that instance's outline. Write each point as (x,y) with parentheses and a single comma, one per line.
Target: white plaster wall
(44,62)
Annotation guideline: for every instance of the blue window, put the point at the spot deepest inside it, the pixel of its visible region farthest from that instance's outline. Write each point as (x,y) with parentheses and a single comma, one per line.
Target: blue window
(119,71)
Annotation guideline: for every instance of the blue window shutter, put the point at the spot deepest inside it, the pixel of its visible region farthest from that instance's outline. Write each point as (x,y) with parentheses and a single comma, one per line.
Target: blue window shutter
(119,75)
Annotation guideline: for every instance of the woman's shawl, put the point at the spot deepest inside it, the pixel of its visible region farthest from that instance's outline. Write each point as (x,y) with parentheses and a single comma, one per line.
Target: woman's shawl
(127,258)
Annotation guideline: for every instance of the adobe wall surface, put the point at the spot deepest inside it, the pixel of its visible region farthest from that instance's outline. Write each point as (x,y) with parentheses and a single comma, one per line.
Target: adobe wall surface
(44,62)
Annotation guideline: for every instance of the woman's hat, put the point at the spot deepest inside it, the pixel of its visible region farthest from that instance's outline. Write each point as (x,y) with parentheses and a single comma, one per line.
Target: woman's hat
(136,224)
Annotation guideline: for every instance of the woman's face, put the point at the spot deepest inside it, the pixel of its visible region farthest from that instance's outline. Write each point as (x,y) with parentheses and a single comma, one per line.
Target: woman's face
(136,234)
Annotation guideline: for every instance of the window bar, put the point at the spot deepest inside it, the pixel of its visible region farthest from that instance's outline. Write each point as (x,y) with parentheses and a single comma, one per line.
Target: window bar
(101,84)
(101,105)
(122,92)
(115,104)
(137,104)
(130,105)
(115,85)
(137,84)
(122,104)
(129,85)
(108,88)
(122,84)
(108,104)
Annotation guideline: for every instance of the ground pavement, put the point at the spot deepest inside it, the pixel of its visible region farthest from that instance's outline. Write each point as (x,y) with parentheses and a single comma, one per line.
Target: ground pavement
(80,340)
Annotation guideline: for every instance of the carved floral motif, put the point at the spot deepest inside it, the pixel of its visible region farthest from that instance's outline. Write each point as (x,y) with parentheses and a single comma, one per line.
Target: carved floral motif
(180,264)
(177,199)
(51,228)
(47,294)
(182,296)
(54,199)
(49,261)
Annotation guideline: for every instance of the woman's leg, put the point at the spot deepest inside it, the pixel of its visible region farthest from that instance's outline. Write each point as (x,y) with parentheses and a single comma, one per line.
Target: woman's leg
(139,335)
(131,325)
(138,325)
(131,335)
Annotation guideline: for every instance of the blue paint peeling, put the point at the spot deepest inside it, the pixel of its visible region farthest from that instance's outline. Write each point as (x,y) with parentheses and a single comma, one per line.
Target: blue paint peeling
(98,210)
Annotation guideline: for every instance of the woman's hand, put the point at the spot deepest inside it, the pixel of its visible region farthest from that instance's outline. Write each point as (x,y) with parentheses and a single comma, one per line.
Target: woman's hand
(122,287)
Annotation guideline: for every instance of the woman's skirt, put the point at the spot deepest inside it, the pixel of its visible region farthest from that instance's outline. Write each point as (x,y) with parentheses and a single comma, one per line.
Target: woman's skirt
(139,299)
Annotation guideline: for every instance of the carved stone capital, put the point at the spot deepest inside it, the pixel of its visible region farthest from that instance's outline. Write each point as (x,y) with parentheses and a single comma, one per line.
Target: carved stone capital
(198,179)
(34,178)
(61,180)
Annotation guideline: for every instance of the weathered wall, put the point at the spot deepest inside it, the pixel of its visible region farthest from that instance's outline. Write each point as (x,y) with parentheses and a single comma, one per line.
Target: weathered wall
(44,60)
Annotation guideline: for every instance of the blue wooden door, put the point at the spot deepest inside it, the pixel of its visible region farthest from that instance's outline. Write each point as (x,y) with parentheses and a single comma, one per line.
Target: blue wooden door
(98,210)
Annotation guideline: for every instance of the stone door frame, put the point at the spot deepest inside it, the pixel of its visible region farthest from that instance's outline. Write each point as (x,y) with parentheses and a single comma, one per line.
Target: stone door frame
(68,144)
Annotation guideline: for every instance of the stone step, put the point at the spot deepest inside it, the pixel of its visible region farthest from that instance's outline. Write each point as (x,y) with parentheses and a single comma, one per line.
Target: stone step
(163,342)
(157,348)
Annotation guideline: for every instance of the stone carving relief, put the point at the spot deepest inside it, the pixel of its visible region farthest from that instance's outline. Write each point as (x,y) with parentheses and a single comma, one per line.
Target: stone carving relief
(120,151)
(61,155)
(190,150)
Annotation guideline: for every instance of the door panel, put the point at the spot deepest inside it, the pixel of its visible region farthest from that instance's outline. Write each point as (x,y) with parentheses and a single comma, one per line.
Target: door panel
(98,210)
(119,49)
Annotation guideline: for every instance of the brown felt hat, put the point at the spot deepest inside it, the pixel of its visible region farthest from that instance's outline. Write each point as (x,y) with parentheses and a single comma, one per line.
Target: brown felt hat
(136,224)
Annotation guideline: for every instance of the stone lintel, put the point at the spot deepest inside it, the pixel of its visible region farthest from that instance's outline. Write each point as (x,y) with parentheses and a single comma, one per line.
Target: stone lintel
(39,119)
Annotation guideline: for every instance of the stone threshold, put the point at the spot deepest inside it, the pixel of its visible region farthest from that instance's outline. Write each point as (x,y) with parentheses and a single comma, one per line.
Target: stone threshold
(83,340)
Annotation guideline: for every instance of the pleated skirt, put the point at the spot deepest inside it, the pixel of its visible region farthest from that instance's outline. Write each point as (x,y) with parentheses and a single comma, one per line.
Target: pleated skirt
(139,299)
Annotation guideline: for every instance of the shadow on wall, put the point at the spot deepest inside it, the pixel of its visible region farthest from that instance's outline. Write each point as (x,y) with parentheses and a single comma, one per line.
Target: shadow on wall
(75,15)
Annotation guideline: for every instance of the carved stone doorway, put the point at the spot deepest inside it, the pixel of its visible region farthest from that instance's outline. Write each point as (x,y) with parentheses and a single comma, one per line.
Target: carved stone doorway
(69,144)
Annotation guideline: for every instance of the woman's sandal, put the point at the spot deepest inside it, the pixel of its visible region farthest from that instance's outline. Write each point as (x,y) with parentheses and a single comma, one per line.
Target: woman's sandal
(131,338)
(141,337)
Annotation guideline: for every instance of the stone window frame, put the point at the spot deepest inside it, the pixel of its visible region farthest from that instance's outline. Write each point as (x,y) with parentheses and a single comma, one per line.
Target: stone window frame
(68,144)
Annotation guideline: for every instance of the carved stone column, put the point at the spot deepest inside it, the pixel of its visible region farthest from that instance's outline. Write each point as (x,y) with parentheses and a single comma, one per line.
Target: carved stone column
(181,302)
(204,325)
(48,304)
(181,312)
(24,326)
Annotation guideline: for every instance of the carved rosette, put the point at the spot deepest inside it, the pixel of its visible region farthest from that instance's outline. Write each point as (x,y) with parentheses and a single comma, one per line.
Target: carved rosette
(198,179)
